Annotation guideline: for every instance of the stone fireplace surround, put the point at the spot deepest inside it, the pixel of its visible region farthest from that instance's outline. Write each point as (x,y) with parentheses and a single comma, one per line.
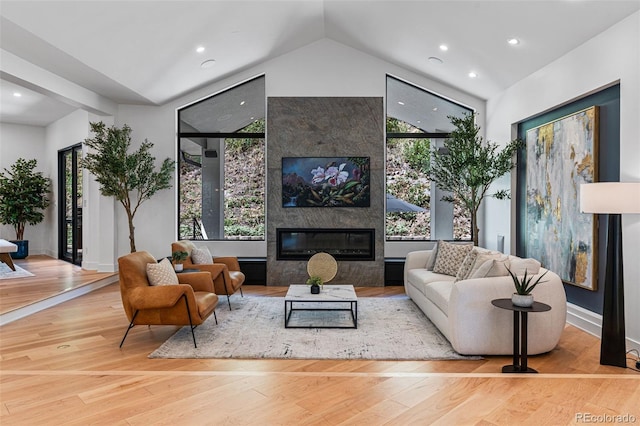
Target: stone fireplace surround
(325,127)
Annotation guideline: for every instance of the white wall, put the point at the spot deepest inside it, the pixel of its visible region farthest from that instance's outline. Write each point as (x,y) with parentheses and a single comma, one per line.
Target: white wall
(612,56)
(323,68)
(20,141)
(98,213)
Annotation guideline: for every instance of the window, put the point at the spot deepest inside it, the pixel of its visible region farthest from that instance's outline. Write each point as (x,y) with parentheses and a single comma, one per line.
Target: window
(417,123)
(221,162)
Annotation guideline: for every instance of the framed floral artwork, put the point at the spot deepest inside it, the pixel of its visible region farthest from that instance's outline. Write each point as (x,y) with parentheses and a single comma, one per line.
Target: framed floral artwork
(325,182)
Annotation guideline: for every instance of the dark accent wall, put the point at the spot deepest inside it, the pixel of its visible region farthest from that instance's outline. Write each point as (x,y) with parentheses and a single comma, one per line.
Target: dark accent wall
(608,101)
(325,127)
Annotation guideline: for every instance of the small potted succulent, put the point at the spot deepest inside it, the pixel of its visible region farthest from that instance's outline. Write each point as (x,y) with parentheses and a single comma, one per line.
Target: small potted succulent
(523,297)
(178,257)
(315,282)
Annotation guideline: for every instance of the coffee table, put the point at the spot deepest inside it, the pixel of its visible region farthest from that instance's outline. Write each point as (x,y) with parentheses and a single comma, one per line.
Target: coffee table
(332,298)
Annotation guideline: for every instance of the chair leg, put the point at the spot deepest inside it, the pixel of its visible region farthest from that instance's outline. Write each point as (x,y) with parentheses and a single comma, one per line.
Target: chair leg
(131,325)
(241,294)
(226,289)
(215,317)
(190,322)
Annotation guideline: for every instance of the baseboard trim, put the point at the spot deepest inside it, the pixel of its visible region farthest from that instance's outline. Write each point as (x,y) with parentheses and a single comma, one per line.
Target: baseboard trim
(591,323)
(24,311)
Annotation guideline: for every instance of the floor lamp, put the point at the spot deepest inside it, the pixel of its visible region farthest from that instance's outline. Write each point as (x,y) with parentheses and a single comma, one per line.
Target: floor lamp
(614,199)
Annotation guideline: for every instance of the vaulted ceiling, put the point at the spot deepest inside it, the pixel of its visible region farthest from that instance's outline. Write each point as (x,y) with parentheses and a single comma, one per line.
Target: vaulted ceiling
(144,52)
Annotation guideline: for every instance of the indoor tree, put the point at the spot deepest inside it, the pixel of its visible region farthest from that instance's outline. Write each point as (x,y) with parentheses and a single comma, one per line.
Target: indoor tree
(466,166)
(131,178)
(23,195)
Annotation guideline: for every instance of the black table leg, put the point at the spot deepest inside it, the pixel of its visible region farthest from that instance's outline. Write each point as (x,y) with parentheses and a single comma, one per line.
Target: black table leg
(516,339)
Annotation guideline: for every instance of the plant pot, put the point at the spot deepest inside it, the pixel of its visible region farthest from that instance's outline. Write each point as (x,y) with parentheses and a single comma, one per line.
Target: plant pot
(23,249)
(315,289)
(178,267)
(522,300)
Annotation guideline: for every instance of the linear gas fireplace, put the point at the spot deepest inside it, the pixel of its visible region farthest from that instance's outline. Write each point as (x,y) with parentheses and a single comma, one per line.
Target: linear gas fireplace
(343,244)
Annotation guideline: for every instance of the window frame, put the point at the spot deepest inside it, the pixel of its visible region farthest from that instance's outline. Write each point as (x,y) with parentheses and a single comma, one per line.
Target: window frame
(217,135)
(432,136)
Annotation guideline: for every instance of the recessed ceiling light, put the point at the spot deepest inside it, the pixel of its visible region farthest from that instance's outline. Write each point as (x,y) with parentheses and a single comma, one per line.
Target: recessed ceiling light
(513,41)
(200,49)
(400,103)
(444,47)
(435,108)
(472,74)
(17,94)
(242,103)
(435,60)
(208,63)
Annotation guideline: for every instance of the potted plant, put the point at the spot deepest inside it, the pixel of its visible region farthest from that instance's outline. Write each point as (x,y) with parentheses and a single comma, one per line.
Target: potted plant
(315,282)
(523,297)
(178,257)
(130,177)
(23,197)
(466,166)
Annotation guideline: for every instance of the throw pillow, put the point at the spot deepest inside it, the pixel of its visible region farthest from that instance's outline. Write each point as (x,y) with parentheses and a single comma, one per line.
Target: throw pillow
(432,260)
(482,259)
(201,256)
(518,266)
(161,273)
(467,264)
(471,261)
(450,257)
(491,268)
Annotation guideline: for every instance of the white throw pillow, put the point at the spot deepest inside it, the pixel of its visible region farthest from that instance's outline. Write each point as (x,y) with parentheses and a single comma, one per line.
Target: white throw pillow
(450,257)
(201,256)
(161,273)
(518,266)
(491,268)
(483,258)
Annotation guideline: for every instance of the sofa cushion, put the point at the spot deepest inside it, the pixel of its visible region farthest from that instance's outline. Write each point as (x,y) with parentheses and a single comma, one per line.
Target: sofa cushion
(201,256)
(518,266)
(438,293)
(450,257)
(161,273)
(418,278)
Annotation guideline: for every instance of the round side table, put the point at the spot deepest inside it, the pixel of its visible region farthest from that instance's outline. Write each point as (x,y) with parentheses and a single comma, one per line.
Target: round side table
(519,333)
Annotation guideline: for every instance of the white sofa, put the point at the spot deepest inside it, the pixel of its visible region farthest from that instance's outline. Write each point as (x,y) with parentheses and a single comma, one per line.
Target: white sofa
(463,312)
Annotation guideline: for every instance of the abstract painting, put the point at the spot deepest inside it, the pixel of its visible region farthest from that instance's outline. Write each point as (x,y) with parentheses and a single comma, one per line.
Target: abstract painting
(325,182)
(561,155)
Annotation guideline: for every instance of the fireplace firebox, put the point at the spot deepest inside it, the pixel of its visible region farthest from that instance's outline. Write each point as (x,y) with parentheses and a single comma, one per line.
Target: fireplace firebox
(343,244)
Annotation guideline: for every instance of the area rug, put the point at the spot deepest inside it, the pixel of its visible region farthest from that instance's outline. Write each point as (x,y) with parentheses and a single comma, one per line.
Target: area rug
(388,329)
(6,272)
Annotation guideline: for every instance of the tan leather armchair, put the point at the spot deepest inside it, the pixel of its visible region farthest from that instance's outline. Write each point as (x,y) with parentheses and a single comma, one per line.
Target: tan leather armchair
(225,270)
(189,303)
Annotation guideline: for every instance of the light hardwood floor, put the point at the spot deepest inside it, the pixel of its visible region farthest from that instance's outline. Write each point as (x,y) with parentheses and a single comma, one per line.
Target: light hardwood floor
(51,277)
(62,366)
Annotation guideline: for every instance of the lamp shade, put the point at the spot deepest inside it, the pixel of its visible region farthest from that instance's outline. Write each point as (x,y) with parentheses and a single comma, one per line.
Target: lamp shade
(610,197)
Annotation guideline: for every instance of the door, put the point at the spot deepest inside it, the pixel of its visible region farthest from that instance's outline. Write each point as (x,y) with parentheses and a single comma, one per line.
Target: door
(70,205)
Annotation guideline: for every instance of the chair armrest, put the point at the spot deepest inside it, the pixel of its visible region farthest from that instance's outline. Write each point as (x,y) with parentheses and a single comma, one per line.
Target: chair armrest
(231,262)
(156,297)
(213,268)
(199,281)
